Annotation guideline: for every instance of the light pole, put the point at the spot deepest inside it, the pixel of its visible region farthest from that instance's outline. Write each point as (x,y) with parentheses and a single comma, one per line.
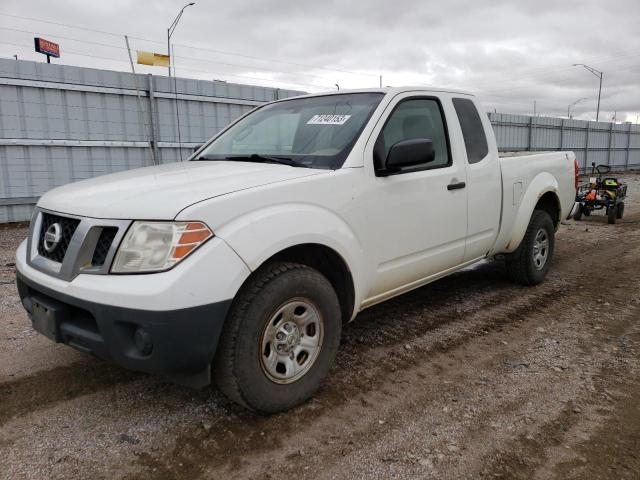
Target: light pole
(573,105)
(598,74)
(170,30)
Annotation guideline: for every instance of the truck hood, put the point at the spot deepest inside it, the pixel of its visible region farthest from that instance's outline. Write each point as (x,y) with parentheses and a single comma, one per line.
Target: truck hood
(161,192)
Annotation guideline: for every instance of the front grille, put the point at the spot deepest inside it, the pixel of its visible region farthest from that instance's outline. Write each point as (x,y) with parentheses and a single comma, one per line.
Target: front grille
(103,246)
(67,228)
(93,239)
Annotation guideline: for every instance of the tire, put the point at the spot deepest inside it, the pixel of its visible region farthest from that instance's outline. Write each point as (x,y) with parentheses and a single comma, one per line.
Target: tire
(524,265)
(612,214)
(578,215)
(620,210)
(277,293)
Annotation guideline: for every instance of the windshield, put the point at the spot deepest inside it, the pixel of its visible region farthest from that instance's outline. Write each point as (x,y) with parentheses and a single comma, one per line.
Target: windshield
(313,132)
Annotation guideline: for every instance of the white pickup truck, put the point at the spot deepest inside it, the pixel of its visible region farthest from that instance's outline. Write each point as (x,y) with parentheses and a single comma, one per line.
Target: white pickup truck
(242,264)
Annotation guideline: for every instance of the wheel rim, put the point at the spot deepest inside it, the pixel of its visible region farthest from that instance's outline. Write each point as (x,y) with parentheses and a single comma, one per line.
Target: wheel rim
(540,249)
(291,341)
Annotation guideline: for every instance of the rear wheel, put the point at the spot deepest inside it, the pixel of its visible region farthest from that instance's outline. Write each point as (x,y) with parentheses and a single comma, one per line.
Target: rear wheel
(612,214)
(578,214)
(280,338)
(529,263)
(620,210)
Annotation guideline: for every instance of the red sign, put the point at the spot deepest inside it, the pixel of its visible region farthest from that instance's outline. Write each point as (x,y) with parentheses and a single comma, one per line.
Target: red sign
(48,48)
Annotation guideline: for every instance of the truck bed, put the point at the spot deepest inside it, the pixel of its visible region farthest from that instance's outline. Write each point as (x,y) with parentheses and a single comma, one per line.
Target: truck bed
(522,175)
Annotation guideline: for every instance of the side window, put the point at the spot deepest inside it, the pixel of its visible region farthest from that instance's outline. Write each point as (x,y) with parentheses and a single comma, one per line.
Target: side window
(415,118)
(475,140)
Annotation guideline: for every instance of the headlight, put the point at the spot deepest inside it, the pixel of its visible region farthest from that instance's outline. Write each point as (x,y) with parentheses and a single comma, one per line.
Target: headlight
(158,246)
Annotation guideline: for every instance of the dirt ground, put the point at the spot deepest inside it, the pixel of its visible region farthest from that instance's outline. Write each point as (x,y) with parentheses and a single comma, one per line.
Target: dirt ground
(469,377)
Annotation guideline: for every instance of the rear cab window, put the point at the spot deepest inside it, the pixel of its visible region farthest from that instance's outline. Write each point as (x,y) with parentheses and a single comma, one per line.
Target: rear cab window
(475,140)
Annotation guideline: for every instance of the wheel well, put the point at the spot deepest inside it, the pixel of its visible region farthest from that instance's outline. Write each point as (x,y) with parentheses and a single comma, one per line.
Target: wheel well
(328,263)
(549,203)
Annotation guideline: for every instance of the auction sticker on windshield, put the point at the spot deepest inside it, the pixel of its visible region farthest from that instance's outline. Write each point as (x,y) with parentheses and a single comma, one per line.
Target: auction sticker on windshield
(328,119)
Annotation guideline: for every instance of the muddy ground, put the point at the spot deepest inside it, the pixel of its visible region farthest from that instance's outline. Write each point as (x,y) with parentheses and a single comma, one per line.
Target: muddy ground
(470,377)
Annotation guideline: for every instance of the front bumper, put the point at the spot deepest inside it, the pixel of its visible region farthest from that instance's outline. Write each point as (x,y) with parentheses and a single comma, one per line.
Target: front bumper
(178,343)
(166,322)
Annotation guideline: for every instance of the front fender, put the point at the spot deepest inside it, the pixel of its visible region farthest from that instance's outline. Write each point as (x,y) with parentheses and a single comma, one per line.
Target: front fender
(258,235)
(542,183)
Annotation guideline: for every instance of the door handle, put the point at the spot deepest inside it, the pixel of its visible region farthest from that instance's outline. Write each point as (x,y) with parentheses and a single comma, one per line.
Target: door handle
(456,186)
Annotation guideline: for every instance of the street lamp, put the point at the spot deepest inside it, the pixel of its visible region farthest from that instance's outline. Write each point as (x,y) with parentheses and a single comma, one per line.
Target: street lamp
(170,30)
(573,105)
(598,74)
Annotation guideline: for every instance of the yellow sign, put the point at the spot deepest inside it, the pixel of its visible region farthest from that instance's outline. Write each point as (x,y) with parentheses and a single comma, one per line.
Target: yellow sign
(153,59)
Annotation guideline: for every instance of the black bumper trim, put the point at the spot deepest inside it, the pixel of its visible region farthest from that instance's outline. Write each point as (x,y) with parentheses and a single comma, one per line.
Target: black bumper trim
(184,340)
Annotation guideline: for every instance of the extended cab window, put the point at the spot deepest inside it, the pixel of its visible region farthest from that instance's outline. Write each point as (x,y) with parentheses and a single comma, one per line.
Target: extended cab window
(411,119)
(475,140)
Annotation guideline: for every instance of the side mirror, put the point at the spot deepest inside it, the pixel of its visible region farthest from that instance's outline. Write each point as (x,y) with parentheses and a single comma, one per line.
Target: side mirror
(197,147)
(407,153)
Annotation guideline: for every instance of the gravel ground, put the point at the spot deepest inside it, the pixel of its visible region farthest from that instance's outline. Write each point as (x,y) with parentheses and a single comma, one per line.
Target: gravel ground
(469,377)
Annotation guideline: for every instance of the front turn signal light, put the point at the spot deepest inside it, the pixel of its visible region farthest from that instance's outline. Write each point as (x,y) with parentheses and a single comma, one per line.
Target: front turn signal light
(194,235)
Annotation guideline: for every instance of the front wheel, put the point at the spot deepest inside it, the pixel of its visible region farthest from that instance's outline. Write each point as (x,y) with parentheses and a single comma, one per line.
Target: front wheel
(280,338)
(529,263)
(612,214)
(620,210)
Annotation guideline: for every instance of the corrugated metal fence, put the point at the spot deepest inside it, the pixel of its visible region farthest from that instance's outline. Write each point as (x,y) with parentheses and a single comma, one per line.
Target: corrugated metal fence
(615,144)
(60,124)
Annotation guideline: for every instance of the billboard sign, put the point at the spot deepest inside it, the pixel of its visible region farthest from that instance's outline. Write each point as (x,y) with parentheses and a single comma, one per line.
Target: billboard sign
(50,49)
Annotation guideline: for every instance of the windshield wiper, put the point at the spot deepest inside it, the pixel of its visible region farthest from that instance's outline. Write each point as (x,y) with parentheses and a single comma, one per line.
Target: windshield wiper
(255,157)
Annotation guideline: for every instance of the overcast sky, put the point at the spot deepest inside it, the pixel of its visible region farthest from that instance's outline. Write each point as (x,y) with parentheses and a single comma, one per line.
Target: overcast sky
(510,52)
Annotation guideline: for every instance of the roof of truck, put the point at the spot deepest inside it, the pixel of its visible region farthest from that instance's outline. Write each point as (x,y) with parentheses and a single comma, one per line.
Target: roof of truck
(392,90)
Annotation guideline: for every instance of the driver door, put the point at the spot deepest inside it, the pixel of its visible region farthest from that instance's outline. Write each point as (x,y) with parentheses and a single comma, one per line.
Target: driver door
(421,211)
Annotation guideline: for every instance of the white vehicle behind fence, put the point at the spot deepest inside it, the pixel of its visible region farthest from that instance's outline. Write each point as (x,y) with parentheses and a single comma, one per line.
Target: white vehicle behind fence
(242,264)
